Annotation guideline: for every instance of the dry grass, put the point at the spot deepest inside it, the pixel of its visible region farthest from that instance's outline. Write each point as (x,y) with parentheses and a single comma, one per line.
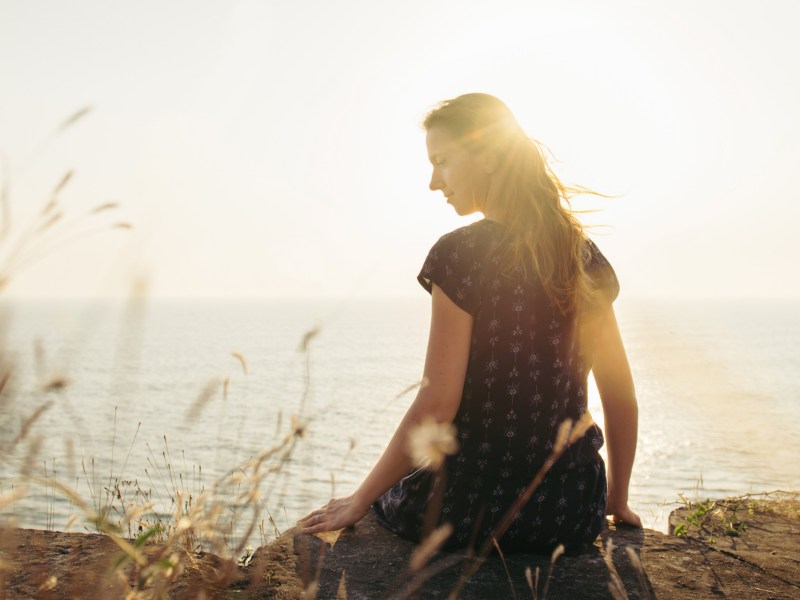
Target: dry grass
(166,533)
(784,504)
(165,523)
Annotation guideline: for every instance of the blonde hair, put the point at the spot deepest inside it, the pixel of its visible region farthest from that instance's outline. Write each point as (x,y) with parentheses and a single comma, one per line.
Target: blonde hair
(524,194)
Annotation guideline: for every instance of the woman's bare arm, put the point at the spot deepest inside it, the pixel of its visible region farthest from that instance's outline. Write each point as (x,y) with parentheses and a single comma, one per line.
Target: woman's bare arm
(612,374)
(438,398)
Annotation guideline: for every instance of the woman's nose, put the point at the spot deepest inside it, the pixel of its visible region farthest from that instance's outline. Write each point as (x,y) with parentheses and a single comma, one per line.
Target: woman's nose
(435,184)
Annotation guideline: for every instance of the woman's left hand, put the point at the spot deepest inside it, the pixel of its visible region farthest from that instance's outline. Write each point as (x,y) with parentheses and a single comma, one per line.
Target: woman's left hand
(336,514)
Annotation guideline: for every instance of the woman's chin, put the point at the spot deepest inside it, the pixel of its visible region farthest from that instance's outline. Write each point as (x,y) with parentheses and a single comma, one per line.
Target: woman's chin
(465,211)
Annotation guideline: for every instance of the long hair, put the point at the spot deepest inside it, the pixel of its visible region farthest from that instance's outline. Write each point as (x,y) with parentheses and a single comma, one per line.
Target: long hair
(524,194)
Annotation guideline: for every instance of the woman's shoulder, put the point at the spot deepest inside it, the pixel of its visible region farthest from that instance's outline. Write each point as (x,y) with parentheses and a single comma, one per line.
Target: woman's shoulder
(462,251)
(483,232)
(600,271)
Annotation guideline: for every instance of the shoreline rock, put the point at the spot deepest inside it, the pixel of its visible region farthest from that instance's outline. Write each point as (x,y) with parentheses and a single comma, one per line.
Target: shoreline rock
(745,547)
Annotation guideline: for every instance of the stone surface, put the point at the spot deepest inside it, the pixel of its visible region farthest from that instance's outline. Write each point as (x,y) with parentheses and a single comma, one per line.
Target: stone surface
(759,532)
(735,548)
(762,561)
(53,564)
(58,565)
(374,564)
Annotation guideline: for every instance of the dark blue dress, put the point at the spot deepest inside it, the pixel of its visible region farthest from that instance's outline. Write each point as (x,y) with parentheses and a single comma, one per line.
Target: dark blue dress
(527,372)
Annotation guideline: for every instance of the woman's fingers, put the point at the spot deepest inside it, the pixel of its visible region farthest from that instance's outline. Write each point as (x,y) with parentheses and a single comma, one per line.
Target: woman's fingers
(312,526)
(627,517)
(320,519)
(322,522)
(336,514)
(320,511)
(310,515)
(315,522)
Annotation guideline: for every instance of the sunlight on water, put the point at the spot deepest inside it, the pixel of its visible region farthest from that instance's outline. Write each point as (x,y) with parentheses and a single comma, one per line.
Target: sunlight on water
(717,385)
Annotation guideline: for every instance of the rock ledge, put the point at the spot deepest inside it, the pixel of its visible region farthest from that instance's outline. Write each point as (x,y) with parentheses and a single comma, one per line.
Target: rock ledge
(714,558)
(747,547)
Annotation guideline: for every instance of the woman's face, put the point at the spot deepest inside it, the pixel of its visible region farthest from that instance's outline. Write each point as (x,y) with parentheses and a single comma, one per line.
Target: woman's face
(460,175)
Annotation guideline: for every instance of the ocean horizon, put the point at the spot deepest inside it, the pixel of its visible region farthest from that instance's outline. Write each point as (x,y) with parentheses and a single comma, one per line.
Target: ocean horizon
(122,383)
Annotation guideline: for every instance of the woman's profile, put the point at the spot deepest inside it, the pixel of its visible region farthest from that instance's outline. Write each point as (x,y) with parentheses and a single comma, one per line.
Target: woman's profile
(521,313)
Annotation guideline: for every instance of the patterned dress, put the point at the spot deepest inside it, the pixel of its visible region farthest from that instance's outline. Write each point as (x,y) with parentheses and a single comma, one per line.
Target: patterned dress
(526,373)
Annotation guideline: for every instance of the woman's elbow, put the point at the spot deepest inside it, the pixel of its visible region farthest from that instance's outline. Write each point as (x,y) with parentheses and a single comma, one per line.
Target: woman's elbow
(440,405)
(620,407)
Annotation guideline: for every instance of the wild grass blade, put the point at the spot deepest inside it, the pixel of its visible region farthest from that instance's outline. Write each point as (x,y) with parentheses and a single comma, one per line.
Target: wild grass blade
(73,118)
(505,568)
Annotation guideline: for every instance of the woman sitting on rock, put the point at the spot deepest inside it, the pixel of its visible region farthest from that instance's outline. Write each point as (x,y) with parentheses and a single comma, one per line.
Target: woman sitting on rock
(521,312)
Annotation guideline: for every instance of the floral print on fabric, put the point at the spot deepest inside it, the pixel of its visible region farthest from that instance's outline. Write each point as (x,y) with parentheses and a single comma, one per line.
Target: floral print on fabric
(527,372)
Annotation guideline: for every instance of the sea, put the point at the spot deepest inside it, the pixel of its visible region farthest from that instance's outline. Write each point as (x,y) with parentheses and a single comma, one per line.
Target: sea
(118,403)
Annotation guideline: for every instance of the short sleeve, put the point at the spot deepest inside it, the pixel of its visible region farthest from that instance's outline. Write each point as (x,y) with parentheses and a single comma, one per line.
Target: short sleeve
(452,265)
(600,271)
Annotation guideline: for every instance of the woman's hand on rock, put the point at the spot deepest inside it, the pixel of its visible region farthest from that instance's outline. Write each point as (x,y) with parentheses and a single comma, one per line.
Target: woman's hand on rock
(623,515)
(336,514)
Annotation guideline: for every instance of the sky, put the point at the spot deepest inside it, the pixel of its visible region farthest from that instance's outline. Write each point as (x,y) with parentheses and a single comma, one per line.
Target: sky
(269,148)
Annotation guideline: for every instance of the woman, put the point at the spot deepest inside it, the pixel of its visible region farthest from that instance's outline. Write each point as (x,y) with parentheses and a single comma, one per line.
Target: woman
(521,311)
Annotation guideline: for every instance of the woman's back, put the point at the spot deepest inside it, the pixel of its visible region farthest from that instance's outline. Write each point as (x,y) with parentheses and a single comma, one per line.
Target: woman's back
(526,374)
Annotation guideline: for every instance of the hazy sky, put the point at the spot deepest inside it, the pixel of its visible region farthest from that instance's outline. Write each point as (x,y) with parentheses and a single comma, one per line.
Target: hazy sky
(266,148)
